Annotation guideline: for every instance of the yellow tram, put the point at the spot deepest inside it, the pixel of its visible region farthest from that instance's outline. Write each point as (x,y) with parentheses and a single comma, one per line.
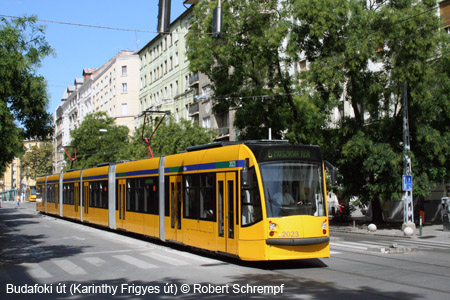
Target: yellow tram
(254,200)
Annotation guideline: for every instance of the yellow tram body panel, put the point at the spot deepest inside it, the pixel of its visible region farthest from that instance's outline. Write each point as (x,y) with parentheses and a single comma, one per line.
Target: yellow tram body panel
(71,208)
(196,179)
(197,232)
(142,223)
(90,213)
(52,194)
(40,194)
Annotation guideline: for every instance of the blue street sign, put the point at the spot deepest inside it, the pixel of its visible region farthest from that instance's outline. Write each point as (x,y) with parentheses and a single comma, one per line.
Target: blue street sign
(407,183)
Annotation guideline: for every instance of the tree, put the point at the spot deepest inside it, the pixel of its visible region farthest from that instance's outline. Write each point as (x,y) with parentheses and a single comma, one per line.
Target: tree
(170,138)
(362,52)
(248,67)
(359,55)
(37,161)
(97,140)
(23,96)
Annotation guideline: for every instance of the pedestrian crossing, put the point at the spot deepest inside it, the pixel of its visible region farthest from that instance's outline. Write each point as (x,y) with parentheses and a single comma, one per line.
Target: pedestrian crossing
(337,246)
(144,260)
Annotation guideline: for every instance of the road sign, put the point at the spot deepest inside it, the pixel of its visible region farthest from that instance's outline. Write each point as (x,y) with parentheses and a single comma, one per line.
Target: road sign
(407,183)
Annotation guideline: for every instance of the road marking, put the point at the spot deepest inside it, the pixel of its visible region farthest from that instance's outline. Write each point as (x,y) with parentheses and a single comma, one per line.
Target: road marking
(112,251)
(166,259)
(426,244)
(193,256)
(343,244)
(69,267)
(96,261)
(334,252)
(36,271)
(135,262)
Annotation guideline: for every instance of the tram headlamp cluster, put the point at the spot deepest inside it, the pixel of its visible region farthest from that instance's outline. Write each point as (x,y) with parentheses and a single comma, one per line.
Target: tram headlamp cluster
(324,226)
(272,226)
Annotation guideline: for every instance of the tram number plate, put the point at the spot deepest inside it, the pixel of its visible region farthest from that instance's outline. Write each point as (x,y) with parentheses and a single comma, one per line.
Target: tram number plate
(290,234)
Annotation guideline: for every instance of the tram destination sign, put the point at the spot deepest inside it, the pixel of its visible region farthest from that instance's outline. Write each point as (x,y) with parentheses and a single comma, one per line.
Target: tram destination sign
(288,153)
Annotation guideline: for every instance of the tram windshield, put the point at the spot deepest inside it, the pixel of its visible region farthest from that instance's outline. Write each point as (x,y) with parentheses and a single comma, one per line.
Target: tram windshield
(293,188)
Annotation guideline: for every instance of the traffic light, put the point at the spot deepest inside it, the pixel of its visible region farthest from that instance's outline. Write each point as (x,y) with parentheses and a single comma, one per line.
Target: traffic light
(164,16)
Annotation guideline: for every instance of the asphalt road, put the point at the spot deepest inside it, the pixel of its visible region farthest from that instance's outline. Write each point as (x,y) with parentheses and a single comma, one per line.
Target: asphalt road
(43,257)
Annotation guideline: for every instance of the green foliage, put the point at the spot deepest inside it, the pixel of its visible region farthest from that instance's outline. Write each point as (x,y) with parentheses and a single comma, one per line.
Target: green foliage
(23,96)
(359,54)
(365,53)
(36,162)
(93,144)
(245,65)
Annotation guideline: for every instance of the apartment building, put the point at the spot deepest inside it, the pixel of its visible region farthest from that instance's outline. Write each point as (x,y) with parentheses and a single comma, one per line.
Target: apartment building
(113,88)
(166,84)
(164,73)
(13,178)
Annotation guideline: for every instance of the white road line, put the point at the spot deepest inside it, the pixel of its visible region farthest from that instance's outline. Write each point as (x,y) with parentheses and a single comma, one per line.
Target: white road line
(343,244)
(69,267)
(422,245)
(334,252)
(166,259)
(96,261)
(135,262)
(193,256)
(36,271)
(113,251)
(369,244)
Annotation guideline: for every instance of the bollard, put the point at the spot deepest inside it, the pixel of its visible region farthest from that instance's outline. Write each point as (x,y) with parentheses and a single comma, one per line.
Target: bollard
(420,225)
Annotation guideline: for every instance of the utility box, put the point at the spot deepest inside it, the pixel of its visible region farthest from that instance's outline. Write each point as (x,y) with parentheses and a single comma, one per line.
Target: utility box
(445,201)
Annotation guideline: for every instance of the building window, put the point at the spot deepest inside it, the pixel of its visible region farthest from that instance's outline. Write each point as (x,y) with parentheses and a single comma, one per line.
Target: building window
(124,109)
(207,122)
(124,88)
(124,71)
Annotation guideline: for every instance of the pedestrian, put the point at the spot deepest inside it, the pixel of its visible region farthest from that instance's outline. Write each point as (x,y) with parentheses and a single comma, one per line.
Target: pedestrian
(17,200)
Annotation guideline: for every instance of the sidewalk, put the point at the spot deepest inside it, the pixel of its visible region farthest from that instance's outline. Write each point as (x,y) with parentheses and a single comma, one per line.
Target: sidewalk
(429,232)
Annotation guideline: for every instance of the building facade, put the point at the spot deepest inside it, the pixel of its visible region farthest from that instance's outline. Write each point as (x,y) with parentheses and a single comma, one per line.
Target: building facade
(14,179)
(113,88)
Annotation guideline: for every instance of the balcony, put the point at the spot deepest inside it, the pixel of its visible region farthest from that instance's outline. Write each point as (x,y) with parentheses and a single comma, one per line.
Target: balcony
(193,80)
(193,109)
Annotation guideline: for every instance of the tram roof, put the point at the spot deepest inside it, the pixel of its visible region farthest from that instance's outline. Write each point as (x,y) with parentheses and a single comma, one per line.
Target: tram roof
(229,143)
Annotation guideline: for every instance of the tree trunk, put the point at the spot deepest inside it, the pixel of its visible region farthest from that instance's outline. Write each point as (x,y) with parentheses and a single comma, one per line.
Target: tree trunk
(377,212)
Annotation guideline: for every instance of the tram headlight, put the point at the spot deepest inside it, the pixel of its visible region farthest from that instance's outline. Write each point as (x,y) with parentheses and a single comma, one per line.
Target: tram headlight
(272,226)
(324,226)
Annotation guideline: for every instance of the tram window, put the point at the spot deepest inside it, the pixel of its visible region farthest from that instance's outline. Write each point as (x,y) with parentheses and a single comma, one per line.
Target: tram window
(208,197)
(39,193)
(142,195)
(98,194)
(167,196)
(200,199)
(68,193)
(51,193)
(221,206)
(151,196)
(251,201)
(293,188)
(191,196)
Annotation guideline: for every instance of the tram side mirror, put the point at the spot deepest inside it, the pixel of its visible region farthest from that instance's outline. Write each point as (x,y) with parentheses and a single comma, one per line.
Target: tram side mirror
(333,172)
(245,182)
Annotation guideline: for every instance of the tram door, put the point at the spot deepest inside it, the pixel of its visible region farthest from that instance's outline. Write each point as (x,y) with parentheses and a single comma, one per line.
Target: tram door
(56,196)
(76,200)
(86,201)
(176,198)
(121,203)
(226,212)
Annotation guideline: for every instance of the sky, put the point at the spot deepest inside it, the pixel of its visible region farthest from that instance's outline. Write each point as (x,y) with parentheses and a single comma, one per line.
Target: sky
(78,47)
